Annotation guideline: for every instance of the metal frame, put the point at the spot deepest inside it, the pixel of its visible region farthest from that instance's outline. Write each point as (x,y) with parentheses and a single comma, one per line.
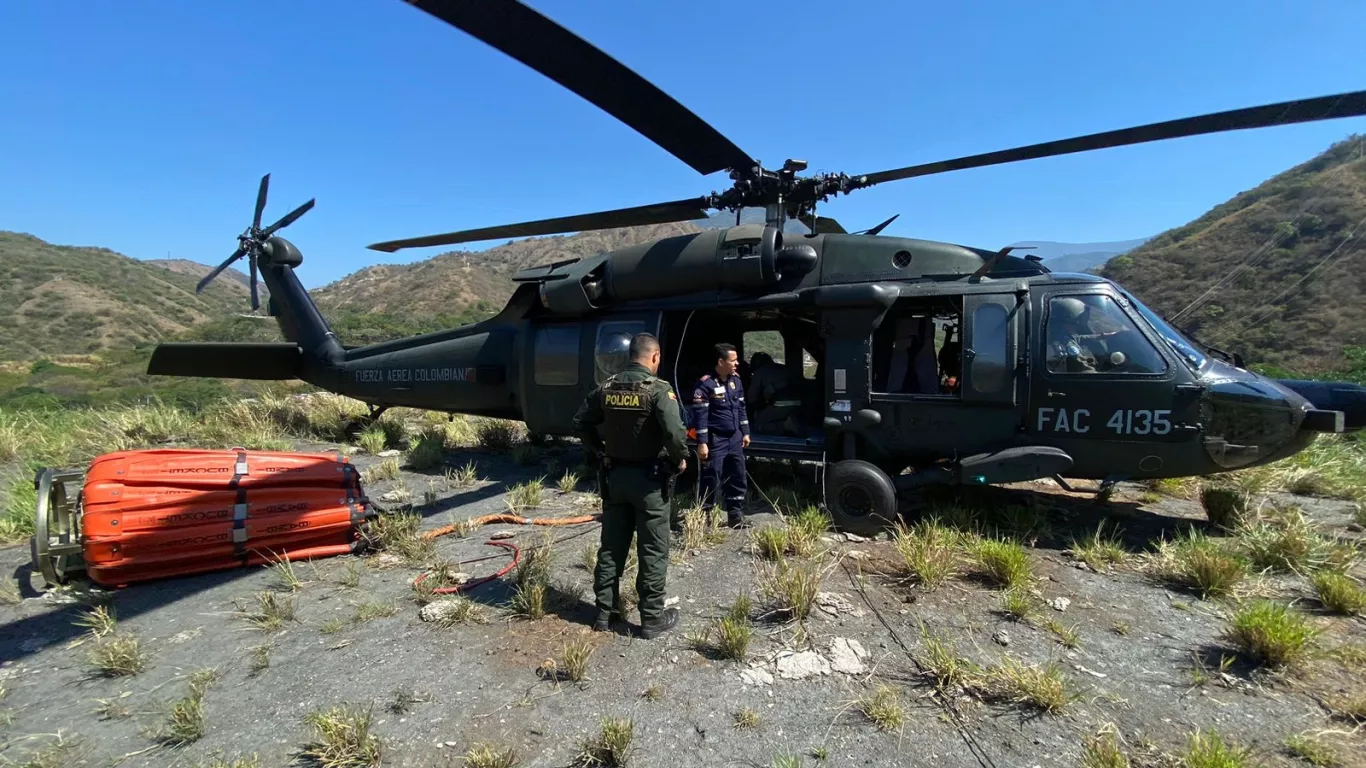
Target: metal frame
(56,542)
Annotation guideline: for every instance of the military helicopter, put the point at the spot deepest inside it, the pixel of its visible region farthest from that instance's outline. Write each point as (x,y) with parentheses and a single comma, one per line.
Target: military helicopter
(934,363)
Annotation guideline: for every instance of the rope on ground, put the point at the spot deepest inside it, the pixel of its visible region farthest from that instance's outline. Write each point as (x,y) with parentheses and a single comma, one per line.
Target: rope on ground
(974,746)
(516,558)
(516,551)
(476,522)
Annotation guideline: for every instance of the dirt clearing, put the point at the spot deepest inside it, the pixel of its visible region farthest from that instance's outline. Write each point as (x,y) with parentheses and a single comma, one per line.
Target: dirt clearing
(1006,634)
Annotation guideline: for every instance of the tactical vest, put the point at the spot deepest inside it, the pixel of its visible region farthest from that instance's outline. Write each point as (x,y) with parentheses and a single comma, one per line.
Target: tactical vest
(629,429)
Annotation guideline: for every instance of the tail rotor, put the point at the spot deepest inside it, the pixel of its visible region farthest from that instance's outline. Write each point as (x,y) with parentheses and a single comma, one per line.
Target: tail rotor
(251,241)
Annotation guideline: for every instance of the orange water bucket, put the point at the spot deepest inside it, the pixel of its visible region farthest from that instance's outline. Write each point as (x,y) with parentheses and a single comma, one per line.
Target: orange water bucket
(142,515)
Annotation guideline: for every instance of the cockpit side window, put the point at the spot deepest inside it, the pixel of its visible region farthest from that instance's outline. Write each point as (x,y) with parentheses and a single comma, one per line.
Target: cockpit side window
(1092,334)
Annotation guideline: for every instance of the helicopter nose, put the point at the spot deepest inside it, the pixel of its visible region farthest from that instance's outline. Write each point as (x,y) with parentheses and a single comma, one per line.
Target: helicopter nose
(1248,419)
(1330,398)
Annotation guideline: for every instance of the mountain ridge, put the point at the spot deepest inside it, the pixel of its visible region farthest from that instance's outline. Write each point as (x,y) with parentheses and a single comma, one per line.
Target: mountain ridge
(61,299)
(1262,274)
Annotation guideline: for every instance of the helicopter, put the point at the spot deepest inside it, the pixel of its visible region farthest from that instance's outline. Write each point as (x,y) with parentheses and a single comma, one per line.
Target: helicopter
(932,363)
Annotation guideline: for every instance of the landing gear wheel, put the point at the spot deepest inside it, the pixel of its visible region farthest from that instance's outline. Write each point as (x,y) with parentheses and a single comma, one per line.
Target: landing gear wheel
(860,497)
(56,542)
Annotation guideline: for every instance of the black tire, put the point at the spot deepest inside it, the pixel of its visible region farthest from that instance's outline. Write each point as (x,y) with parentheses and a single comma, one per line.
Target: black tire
(860,497)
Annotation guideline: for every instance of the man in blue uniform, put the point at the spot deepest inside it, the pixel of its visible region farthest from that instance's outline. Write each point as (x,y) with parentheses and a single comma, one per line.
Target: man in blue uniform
(718,407)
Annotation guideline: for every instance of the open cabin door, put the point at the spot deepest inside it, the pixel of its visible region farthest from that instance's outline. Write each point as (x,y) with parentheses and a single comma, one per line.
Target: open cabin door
(992,324)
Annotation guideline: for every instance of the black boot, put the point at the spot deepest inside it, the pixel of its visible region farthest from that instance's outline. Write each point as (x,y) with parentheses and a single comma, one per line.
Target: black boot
(737,520)
(649,630)
(605,620)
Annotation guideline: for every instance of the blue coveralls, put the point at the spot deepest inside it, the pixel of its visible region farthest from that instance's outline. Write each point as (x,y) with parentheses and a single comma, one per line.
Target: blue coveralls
(718,410)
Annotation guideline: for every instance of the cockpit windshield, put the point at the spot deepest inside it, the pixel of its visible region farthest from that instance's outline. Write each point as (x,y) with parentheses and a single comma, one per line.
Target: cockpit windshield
(1173,337)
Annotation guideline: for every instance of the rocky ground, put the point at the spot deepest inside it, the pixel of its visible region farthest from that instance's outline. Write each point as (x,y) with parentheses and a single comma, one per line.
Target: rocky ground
(854,683)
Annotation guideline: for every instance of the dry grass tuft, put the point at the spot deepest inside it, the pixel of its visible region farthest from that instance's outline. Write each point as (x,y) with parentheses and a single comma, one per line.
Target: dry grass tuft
(790,590)
(185,720)
(1208,750)
(429,451)
(399,533)
(100,621)
(1004,562)
(1043,687)
(1101,750)
(343,739)
(1268,633)
(610,747)
(575,659)
(497,435)
(489,756)
(1340,593)
(373,439)
(941,661)
(1199,563)
(524,496)
(1100,551)
(746,719)
(1017,604)
(701,528)
(387,469)
(1311,750)
(273,610)
(883,707)
(1225,507)
(929,552)
(119,656)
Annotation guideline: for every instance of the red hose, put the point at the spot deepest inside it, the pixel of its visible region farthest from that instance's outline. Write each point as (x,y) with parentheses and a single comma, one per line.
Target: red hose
(516,557)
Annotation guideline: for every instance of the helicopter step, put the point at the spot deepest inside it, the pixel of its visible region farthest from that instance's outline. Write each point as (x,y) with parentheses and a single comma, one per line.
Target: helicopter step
(863,499)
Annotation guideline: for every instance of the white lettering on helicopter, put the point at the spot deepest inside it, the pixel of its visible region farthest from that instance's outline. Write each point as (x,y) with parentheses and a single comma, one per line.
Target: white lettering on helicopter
(382,375)
(1121,422)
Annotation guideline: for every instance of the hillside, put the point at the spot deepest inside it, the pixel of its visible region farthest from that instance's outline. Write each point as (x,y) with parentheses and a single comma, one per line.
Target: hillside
(197,271)
(458,280)
(1274,273)
(62,300)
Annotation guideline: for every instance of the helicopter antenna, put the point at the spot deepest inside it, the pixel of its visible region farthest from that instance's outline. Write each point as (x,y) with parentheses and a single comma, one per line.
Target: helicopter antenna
(253,239)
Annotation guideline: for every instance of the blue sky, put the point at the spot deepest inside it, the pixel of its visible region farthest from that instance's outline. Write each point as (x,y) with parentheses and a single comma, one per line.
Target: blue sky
(144,125)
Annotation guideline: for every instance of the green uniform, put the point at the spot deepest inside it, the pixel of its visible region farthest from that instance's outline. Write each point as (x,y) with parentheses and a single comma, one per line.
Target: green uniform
(643,441)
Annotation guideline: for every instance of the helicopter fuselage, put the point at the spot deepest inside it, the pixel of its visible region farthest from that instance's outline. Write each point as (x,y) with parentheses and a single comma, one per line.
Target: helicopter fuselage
(950,362)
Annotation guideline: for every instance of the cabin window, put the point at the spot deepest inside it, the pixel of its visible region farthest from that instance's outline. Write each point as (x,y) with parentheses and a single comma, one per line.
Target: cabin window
(916,349)
(763,342)
(1091,334)
(612,350)
(990,346)
(557,355)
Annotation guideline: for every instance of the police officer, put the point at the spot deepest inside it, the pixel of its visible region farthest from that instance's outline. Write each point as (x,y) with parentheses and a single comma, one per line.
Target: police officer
(639,416)
(718,405)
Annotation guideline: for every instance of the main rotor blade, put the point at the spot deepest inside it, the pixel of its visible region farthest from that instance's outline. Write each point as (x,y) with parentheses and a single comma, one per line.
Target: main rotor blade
(571,61)
(260,201)
(1285,113)
(237,254)
(289,218)
(659,213)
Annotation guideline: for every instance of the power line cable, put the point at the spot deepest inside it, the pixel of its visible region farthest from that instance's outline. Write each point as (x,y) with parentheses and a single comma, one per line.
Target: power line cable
(1228,331)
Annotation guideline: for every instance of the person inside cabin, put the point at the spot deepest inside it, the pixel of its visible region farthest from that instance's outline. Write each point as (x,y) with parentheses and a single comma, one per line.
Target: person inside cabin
(775,402)
(913,368)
